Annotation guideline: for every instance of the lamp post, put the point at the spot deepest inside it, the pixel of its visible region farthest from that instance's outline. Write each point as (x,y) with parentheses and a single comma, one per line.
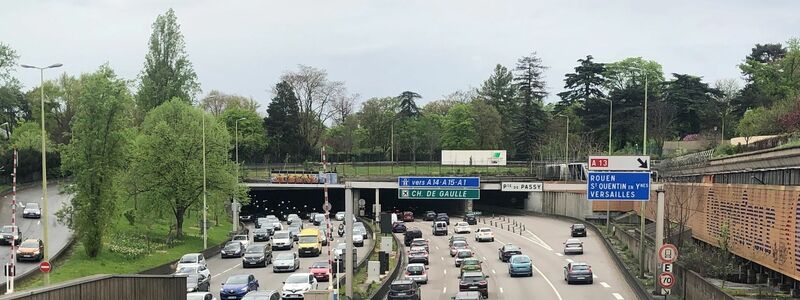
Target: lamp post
(566,147)
(644,152)
(610,119)
(45,212)
(205,207)
(235,208)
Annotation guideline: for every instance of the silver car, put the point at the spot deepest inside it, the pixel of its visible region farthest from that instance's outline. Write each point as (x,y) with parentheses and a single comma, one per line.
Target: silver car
(573,246)
(285,262)
(417,272)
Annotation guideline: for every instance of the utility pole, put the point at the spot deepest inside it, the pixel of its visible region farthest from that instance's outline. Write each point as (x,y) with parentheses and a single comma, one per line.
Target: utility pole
(608,203)
(643,204)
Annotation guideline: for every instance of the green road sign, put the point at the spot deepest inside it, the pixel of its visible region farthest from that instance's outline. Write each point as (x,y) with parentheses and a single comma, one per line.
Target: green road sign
(438,194)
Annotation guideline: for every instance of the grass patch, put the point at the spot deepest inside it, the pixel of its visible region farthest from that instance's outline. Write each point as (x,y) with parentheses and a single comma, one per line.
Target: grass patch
(360,275)
(132,249)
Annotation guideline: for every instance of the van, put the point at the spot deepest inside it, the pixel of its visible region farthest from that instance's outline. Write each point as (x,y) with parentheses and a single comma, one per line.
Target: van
(310,242)
(440,228)
(411,234)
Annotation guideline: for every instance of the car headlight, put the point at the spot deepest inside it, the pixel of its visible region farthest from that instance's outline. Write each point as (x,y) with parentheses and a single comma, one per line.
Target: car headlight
(243,289)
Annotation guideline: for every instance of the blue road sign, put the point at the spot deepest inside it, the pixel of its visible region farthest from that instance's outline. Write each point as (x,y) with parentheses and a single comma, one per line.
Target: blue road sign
(622,186)
(439,182)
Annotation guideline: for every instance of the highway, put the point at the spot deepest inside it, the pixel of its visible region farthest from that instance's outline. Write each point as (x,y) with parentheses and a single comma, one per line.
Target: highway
(221,268)
(32,228)
(543,243)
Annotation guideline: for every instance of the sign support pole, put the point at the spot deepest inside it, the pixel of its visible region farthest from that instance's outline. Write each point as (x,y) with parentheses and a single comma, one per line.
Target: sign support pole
(659,226)
(348,215)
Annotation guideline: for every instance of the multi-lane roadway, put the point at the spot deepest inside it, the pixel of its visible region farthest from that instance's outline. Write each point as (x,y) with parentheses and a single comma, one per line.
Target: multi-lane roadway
(542,241)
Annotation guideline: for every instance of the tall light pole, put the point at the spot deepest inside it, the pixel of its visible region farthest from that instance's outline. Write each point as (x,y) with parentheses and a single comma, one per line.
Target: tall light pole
(566,147)
(610,119)
(644,152)
(205,207)
(235,208)
(45,212)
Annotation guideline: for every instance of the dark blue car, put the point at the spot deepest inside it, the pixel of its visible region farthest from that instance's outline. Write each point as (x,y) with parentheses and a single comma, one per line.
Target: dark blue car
(237,286)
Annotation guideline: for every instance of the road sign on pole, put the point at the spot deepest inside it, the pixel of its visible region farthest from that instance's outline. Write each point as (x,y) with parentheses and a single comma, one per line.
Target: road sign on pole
(666,268)
(619,163)
(439,182)
(666,280)
(521,187)
(438,194)
(622,186)
(45,267)
(667,254)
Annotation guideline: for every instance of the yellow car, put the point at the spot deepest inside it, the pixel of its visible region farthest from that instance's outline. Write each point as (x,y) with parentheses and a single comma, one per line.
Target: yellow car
(310,242)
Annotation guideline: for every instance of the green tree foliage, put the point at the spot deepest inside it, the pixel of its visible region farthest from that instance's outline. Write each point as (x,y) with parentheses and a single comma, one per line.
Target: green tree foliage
(728,91)
(693,98)
(344,137)
(408,104)
(317,98)
(97,153)
(282,126)
(167,72)
(167,165)
(487,121)
(499,91)
(60,97)
(756,121)
(8,60)
(531,119)
(586,83)
(28,135)
(252,136)
(459,129)
(14,107)
(376,118)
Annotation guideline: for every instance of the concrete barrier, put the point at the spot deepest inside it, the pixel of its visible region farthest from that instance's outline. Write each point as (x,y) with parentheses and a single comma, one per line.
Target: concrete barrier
(117,287)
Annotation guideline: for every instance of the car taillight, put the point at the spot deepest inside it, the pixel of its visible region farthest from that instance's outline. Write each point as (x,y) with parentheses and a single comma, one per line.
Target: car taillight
(408,273)
(482,282)
(590,269)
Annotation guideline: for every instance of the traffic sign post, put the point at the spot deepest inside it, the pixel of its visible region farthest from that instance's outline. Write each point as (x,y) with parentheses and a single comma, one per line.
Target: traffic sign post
(463,188)
(620,186)
(437,194)
(666,280)
(619,163)
(45,267)
(667,254)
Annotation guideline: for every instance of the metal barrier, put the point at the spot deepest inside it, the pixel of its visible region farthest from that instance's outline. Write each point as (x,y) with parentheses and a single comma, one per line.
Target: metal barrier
(117,287)
(383,291)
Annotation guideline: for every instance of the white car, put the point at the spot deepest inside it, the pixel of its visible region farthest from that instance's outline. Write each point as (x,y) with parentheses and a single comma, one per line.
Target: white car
(340,216)
(190,260)
(282,240)
(462,227)
(296,285)
(200,296)
(417,272)
(358,239)
(241,238)
(484,234)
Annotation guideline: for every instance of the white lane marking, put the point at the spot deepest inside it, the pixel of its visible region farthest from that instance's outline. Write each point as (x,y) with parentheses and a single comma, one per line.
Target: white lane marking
(569,260)
(594,276)
(605,285)
(501,290)
(493,272)
(538,240)
(548,282)
(484,257)
(226,271)
(445,271)
(38,222)
(437,247)
(617,296)
(442,258)
(444,290)
(559,254)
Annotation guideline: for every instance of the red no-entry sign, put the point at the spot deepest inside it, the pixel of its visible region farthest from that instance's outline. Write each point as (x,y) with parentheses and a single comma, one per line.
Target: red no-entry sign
(45,267)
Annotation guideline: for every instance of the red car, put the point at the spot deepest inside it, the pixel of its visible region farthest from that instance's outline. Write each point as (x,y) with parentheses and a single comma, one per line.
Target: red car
(320,270)
(408,216)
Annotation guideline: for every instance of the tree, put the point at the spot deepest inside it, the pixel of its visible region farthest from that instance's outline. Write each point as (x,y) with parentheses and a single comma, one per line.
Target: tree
(767,53)
(97,154)
(587,82)
(217,102)
(61,95)
(408,105)
(376,118)
(344,137)
(488,128)
(499,91)
(167,72)
(281,124)
(316,95)
(724,261)
(8,60)
(14,107)
(756,121)
(531,119)
(252,136)
(728,90)
(28,135)
(458,129)
(343,107)
(694,102)
(167,164)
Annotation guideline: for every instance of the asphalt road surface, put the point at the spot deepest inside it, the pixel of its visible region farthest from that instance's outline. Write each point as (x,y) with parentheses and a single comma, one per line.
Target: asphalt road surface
(543,243)
(32,228)
(221,268)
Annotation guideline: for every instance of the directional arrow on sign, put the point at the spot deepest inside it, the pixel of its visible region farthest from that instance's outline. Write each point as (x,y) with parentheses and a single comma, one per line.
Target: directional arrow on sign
(642,163)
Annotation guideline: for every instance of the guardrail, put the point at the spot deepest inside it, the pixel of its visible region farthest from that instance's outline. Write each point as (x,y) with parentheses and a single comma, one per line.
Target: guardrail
(118,287)
(383,291)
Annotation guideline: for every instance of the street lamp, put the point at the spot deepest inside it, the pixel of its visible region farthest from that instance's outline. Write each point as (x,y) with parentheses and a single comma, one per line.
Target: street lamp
(235,208)
(610,118)
(566,147)
(644,152)
(44,169)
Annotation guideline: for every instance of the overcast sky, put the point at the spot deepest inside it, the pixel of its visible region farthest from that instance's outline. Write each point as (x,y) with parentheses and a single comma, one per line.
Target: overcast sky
(381,48)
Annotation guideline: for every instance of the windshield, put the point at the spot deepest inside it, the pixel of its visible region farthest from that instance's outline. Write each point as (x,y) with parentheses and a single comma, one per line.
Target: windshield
(233,246)
(319,217)
(472,278)
(341,246)
(418,243)
(521,260)
(189,259)
(471,262)
(187,270)
(282,235)
(357,230)
(459,244)
(297,279)
(578,226)
(464,254)
(240,238)
(573,245)
(415,270)
(512,248)
(462,224)
(285,256)
(238,279)
(308,239)
(580,267)
(401,287)
(32,205)
(260,231)
(30,244)
(320,265)
(255,249)
(7,229)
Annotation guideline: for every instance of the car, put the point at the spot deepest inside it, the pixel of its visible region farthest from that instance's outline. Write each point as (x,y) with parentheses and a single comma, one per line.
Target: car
(7,233)
(191,259)
(323,230)
(339,250)
(358,238)
(474,281)
(484,234)
(457,245)
(294,231)
(578,272)
(296,285)
(363,228)
(467,296)
(399,227)
(237,286)
(471,219)
(244,218)
(443,217)
(404,289)
(573,246)
(455,238)
(321,270)
(577,230)
(440,228)
(260,221)
(418,256)
(408,216)
(508,250)
(429,216)
(470,265)
(461,255)
(261,235)
(462,227)
(257,254)
(242,238)
(232,249)
(411,234)
(262,295)
(293,218)
(200,296)
(318,219)
(285,262)
(32,211)
(340,216)
(520,264)
(30,250)
(282,240)
(196,280)
(417,273)
(420,242)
